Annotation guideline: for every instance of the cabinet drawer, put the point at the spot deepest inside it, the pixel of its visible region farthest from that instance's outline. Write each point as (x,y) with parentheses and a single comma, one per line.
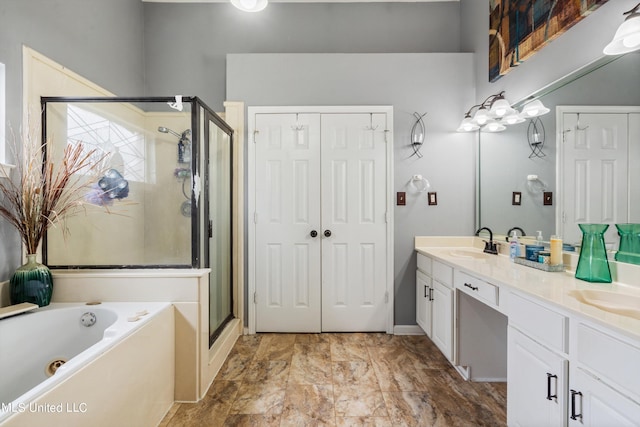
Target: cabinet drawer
(443,273)
(612,360)
(540,323)
(424,264)
(478,288)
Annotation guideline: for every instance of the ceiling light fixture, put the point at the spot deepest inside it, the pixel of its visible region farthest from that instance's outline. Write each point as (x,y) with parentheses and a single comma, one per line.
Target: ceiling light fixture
(627,38)
(250,5)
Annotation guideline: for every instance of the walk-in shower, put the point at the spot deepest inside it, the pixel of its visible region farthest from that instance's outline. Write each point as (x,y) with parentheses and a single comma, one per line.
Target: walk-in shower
(175,211)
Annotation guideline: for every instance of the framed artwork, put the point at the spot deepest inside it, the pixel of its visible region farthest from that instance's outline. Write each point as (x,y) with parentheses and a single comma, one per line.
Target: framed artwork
(520,28)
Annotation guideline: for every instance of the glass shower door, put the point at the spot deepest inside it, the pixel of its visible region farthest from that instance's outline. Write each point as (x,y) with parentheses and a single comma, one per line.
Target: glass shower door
(220,222)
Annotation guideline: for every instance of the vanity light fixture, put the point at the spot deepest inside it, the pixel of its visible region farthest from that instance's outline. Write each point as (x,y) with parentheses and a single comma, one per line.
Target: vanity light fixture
(250,5)
(534,109)
(627,37)
(492,115)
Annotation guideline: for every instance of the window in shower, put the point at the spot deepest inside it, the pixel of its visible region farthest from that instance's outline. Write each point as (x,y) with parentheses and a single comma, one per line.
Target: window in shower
(125,144)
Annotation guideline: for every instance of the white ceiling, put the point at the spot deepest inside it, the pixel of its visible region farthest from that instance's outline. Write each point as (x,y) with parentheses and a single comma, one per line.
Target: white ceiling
(303,1)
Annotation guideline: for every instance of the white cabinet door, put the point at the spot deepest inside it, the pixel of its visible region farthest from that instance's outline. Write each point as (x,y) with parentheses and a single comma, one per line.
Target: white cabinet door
(537,383)
(594,404)
(287,185)
(354,229)
(442,326)
(423,302)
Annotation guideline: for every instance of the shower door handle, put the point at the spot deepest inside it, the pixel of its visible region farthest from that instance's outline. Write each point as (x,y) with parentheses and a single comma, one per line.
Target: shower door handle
(313,233)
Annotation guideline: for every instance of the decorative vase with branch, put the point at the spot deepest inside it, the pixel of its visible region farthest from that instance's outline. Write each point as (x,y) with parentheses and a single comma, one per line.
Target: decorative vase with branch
(40,193)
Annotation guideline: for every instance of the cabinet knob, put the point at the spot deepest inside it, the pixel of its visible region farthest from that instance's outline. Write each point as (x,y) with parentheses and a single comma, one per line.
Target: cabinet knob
(313,233)
(327,233)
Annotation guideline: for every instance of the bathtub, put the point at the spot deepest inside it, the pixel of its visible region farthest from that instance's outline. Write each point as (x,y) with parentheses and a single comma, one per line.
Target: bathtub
(62,364)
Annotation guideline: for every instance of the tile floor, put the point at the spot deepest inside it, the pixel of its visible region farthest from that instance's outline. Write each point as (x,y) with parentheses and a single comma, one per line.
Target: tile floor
(341,380)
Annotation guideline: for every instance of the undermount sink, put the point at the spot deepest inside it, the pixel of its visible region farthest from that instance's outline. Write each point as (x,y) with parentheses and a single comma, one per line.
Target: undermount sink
(466,253)
(623,304)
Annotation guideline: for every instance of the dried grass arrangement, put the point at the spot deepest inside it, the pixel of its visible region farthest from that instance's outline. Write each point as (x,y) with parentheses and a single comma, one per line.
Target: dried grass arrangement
(40,192)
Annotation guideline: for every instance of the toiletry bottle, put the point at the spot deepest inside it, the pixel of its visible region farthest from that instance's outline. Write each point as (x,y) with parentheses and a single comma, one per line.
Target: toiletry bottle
(514,246)
(539,240)
(556,250)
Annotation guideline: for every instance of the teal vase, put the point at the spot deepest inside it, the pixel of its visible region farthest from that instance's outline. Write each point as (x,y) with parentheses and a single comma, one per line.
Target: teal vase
(593,265)
(629,250)
(32,283)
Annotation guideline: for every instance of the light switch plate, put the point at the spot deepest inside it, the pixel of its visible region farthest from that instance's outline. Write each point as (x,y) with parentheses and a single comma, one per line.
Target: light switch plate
(516,198)
(401,198)
(433,198)
(548,198)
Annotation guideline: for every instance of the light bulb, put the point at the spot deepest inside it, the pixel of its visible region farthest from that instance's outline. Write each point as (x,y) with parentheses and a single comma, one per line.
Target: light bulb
(248,4)
(632,41)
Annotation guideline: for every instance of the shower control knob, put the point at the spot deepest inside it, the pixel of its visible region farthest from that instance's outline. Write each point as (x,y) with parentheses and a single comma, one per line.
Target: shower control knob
(327,233)
(313,233)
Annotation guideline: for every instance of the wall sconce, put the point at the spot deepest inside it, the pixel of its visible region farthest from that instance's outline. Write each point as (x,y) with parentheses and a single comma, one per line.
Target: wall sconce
(627,37)
(250,5)
(495,114)
(418,131)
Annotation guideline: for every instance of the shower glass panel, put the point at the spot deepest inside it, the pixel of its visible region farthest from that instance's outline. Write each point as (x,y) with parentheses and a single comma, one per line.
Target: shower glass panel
(220,298)
(149,221)
(148,207)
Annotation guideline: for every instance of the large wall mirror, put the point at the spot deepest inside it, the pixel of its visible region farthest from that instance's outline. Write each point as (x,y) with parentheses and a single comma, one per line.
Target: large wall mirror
(511,171)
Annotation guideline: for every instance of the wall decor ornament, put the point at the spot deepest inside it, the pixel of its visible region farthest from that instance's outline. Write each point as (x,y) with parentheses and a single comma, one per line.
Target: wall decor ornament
(520,28)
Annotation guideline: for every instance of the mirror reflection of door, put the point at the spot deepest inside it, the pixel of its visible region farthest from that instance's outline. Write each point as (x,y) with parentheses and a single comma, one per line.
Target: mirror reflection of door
(594,172)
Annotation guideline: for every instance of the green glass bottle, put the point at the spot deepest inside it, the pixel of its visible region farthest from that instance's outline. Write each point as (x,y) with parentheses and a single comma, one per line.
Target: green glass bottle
(629,250)
(593,265)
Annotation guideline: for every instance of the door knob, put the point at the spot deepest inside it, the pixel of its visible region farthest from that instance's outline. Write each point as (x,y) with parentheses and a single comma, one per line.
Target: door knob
(313,233)
(327,233)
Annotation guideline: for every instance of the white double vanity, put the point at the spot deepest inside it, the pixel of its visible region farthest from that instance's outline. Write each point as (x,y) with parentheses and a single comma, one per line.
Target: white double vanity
(569,349)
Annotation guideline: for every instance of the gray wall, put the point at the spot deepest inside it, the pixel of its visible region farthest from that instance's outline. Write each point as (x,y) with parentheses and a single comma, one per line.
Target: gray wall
(186,44)
(439,84)
(100,40)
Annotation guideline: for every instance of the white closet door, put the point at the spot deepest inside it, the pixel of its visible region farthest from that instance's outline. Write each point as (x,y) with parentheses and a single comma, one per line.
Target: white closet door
(287,185)
(354,212)
(595,174)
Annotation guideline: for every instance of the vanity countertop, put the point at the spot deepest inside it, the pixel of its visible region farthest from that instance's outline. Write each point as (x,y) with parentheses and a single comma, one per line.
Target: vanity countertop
(553,288)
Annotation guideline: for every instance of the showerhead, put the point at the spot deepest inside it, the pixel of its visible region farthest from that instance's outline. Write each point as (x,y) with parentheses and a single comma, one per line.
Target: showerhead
(167,130)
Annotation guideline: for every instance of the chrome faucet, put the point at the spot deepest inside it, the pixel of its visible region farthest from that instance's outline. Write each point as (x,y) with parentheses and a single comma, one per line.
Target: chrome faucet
(490,247)
(514,228)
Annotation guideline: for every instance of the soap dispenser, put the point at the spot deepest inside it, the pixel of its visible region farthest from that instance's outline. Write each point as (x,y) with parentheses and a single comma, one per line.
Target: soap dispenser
(514,246)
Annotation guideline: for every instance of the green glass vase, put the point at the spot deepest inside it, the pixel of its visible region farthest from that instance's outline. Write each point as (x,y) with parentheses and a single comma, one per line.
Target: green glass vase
(629,250)
(593,265)
(32,283)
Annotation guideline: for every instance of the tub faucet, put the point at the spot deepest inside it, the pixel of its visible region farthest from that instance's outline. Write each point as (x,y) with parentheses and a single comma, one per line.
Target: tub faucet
(514,228)
(490,246)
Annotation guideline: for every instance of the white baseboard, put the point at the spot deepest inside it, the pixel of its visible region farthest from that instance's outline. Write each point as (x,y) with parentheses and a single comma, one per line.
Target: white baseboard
(407,330)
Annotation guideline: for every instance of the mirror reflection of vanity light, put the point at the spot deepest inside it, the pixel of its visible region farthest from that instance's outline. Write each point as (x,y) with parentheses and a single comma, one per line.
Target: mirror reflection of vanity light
(419,183)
